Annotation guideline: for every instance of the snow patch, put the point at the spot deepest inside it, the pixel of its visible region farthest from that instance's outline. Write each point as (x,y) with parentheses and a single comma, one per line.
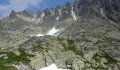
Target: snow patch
(51,67)
(57,18)
(60,13)
(73,14)
(37,35)
(53,31)
(43,15)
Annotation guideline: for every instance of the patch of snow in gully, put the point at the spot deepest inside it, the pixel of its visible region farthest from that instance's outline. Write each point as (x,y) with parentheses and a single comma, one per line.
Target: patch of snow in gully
(37,35)
(73,14)
(53,31)
(57,18)
(43,15)
(60,13)
(51,67)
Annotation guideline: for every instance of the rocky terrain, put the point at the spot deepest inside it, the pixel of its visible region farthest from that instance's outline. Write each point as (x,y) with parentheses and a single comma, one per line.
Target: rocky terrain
(84,35)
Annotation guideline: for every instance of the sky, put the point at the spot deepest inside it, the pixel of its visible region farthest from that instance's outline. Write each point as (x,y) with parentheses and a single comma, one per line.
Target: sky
(6,6)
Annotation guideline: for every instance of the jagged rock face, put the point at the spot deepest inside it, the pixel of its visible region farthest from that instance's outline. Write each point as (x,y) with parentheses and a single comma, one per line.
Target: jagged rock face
(113,10)
(12,14)
(86,36)
(110,8)
(59,13)
(25,13)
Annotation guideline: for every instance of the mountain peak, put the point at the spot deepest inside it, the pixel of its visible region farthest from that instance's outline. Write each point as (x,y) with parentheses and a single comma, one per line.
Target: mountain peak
(12,14)
(26,13)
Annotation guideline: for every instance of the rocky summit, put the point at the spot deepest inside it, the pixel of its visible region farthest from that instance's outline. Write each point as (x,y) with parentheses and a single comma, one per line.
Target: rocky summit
(84,35)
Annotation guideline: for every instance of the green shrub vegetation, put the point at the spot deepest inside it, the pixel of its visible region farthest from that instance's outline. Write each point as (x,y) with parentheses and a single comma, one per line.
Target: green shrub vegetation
(70,46)
(7,68)
(97,57)
(12,58)
(40,48)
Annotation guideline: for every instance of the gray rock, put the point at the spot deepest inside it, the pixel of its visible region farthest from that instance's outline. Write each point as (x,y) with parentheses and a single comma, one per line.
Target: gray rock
(78,64)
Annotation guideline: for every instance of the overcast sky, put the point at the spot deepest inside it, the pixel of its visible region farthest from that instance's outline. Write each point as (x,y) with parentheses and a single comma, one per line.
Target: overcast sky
(32,5)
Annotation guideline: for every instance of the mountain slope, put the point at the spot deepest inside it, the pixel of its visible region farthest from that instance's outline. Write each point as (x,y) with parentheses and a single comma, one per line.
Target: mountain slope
(80,36)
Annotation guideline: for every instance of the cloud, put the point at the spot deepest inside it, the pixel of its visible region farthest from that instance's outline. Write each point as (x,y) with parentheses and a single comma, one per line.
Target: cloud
(17,5)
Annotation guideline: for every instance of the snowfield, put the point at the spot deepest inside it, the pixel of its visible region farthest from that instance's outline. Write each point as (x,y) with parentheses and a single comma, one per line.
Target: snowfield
(53,31)
(51,67)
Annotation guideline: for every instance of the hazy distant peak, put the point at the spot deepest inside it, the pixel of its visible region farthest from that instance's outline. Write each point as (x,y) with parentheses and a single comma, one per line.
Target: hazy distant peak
(12,14)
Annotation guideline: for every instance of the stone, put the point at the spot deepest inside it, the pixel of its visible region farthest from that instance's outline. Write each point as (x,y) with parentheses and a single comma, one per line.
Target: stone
(90,69)
(88,56)
(78,64)
(38,61)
